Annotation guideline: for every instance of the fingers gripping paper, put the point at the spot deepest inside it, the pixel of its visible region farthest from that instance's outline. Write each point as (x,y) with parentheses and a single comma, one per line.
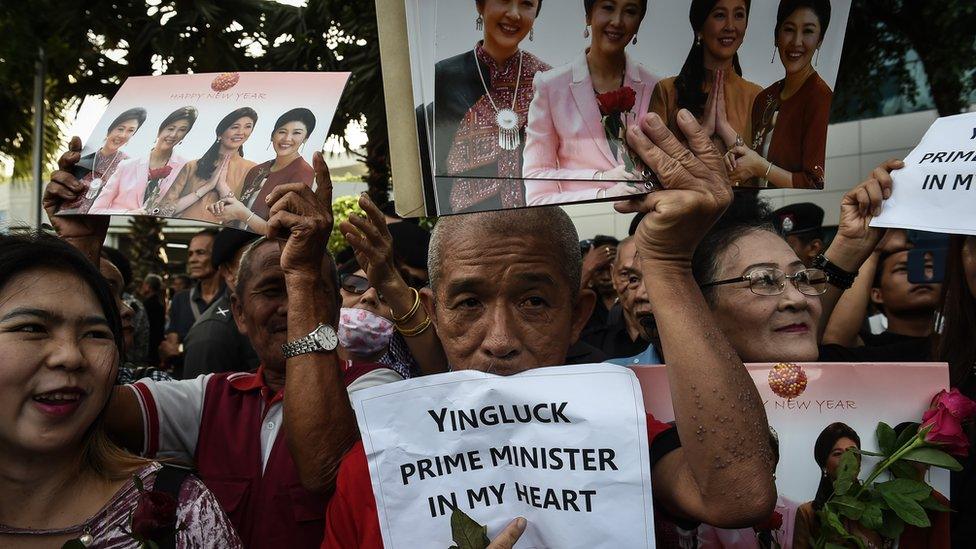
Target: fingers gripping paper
(564,447)
(935,191)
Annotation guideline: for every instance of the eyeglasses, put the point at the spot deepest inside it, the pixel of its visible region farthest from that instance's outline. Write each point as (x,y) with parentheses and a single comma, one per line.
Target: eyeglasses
(772,281)
(356,284)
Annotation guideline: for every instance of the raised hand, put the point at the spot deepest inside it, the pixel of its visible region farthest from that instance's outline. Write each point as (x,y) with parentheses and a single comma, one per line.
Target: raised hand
(303,219)
(723,128)
(709,121)
(862,204)
(63,188)
(371,240)
(696,189)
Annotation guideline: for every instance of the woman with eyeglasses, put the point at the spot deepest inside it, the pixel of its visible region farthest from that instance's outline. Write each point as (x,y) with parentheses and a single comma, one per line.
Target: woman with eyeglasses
(384,318)
(768,304)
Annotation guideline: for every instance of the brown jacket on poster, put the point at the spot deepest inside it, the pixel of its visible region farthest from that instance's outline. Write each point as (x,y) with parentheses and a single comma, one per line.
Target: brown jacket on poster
(796,136)
(187,183)
(739,97)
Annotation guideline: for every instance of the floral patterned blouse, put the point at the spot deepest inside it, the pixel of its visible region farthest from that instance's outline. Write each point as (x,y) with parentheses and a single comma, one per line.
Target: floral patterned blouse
(197,509)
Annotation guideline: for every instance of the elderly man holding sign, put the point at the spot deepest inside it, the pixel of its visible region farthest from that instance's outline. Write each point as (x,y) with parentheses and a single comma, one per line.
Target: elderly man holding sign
(505,302)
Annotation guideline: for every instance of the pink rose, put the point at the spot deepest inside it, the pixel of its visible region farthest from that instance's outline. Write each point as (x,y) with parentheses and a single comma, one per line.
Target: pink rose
(945,418)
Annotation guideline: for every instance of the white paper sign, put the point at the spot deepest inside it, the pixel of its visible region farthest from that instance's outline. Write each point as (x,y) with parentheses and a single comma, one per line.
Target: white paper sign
(565,447)
(936,190)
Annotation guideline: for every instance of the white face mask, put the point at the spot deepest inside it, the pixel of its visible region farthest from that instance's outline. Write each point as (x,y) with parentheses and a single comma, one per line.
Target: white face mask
(363,333)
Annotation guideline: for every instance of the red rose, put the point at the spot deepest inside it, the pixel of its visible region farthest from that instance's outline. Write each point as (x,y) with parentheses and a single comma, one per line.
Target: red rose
(773,522)
(155,516)
(617,101)
(944,420)
(160,173)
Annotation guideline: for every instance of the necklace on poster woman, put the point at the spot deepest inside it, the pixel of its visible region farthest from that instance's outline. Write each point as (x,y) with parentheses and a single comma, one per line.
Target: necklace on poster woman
(506,118)
(97,180)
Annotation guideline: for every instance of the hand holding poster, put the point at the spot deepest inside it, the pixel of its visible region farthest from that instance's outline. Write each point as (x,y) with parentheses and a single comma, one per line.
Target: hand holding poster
(564,447)
(935,190)
(174,145)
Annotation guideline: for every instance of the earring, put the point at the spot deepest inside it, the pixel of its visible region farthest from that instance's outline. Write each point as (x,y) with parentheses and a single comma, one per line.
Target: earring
(773,58)
(479,23)
(698,40)
(816,58)
(586,32)
(634,41)
(531,35)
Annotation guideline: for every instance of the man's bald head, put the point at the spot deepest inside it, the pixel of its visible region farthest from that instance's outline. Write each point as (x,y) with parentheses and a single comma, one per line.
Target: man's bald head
(551,225)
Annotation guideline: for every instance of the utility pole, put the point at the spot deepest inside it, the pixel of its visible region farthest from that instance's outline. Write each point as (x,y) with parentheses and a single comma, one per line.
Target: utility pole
(37,186)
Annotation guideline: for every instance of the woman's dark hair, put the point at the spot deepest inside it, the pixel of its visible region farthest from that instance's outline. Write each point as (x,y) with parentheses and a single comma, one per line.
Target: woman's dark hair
(21,253)
(746,214)
(480,3)
(688,84)
(821,8)
(821,452)
(138,114)
(183,113)
(300,114)
(208,162)
(588,7)
(956,345)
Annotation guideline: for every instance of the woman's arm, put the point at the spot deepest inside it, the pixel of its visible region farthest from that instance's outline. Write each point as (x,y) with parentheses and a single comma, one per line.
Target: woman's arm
(371,240)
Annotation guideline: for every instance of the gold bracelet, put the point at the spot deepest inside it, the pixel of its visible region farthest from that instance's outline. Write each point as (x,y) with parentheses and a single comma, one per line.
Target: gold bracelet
(413,309)
(415,331)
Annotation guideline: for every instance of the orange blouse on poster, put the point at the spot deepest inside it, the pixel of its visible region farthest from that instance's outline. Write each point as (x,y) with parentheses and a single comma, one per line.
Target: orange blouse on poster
(792,133)
(739,97)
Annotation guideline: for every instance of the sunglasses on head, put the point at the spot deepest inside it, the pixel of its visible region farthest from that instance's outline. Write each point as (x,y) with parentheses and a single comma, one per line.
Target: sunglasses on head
(356,284)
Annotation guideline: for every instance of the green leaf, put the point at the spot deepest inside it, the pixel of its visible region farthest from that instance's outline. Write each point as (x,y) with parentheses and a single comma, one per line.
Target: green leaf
(871,518)
(467,533)
(869,453)
(832,521)
(933,504)
(832,545)
(886,438)
(906,435)
(903,469)
(891,526)
(848,506)
(73,544)
(911,489)
(931,456)
(907,509)
(846,472)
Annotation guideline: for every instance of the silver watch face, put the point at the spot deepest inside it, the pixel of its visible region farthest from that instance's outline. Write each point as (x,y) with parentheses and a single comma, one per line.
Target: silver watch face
(326,337)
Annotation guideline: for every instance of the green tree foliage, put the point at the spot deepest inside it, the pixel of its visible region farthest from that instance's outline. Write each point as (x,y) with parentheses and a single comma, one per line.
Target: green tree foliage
(883,34)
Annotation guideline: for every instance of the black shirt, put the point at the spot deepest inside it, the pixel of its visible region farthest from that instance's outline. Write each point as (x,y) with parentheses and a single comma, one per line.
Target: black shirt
(913,349)
(614,339)
(214,344)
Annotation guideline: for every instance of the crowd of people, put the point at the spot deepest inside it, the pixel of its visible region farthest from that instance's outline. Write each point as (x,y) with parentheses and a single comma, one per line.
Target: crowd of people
(103,402)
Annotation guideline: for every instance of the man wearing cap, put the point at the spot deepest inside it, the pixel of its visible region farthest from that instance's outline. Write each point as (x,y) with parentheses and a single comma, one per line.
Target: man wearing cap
(802,227)
(214,344)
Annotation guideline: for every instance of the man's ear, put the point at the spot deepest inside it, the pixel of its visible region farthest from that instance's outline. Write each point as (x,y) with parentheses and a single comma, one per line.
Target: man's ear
(237,308)
(582,311)
(876,297)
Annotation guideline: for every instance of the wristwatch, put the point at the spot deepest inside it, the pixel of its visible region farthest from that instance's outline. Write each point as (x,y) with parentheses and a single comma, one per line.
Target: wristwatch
(322,339)
(835,275)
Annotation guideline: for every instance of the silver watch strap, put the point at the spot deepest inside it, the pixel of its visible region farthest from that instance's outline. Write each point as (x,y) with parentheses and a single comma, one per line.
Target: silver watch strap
(300,346)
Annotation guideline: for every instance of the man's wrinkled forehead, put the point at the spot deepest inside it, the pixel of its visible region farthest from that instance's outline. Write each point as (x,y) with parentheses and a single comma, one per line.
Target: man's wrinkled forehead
(522,260)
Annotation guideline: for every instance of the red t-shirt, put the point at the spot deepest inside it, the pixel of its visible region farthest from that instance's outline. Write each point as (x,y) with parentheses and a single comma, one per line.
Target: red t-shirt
(351,520)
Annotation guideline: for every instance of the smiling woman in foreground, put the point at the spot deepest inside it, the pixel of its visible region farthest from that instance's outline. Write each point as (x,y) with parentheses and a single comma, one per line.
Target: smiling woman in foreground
(62,478)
